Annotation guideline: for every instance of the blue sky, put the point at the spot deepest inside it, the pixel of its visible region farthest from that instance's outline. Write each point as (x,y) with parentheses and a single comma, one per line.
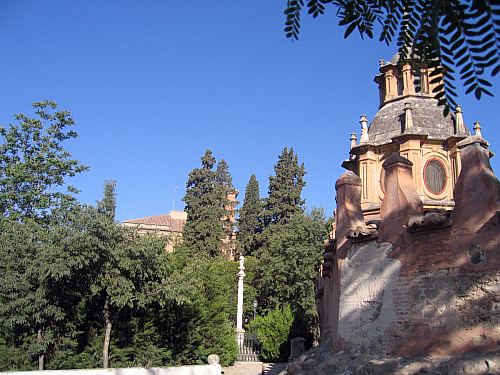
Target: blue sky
(153,83)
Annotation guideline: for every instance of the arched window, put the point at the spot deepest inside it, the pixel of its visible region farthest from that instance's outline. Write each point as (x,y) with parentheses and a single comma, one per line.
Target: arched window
(435,176)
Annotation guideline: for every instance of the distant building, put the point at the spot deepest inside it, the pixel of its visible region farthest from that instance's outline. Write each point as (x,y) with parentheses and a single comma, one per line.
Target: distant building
(170,225)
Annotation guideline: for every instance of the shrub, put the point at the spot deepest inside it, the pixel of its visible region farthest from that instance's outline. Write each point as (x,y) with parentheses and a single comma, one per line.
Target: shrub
(273,332)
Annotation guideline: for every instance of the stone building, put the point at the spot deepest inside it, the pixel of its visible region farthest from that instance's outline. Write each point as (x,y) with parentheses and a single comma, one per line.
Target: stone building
(170,225)
(413,268)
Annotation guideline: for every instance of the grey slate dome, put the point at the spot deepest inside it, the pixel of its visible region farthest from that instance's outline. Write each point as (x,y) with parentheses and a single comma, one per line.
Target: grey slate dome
(427,119)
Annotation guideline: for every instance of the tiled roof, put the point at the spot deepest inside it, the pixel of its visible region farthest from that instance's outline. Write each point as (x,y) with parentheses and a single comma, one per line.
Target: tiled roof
(165,220)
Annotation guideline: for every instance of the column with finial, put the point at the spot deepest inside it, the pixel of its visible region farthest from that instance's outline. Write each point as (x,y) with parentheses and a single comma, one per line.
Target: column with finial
(240,332)
(408,86)
(390,85)
(364,129)
(459,121)
(477,129)
(353,141)
(408,118)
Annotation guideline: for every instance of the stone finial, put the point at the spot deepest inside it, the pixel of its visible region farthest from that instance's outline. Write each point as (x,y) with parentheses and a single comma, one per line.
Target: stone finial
(408,117)
(459,120)
(477,129)
(364,129)
(354,140)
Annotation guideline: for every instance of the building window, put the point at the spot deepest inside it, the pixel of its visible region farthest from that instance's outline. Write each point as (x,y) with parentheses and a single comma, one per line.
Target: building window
(435,176)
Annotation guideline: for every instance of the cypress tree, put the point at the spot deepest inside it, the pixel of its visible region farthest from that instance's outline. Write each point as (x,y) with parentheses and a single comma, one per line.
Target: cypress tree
(227,192)
(249,222)
(285,188)
(203,230)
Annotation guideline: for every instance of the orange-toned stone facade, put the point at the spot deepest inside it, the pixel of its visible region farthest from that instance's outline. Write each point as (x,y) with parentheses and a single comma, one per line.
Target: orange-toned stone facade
(413,267)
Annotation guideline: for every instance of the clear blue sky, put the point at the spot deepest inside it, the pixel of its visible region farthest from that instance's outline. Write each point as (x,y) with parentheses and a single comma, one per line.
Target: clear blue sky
(153,83)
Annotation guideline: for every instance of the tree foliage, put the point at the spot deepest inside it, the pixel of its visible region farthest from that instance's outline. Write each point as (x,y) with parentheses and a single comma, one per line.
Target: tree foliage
(273,331)
(289,263)
(205,208)
(285,189)
(459,38)
(34,166)
(249,222)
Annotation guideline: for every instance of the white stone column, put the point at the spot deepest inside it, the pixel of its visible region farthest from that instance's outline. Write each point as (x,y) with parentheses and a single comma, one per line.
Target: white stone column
(240,332)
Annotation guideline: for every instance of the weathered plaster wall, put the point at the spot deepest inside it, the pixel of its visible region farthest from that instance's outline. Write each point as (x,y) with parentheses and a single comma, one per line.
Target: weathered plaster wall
(438,312)
(366,309)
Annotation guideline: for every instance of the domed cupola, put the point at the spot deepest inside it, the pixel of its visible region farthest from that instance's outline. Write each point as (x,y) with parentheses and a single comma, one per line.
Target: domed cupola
(409,121)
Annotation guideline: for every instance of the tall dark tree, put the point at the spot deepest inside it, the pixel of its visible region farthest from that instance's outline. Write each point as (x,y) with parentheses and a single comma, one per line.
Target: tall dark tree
(108,203)
(249,222)
(285,189)
(204,230)
(224,183)
(456,38)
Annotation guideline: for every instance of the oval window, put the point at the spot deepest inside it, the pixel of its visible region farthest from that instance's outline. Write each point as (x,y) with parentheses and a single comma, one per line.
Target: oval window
(435,176)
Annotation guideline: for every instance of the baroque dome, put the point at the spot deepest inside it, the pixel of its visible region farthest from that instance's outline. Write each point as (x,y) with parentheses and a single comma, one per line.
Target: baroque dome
(428,119)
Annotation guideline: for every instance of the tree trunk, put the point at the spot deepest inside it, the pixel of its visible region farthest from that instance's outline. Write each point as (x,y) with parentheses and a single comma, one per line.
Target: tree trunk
(107,337)
(39,338)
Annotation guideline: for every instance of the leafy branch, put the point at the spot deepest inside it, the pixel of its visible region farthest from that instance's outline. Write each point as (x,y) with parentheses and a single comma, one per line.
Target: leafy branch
(454,38)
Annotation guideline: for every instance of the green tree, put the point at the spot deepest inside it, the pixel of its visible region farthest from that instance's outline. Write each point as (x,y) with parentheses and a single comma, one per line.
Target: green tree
(131,269)
(206,288)
(34,166)
(38,209)
(456,38)
(249,222)
(203,230)
(287,267)
(273,331)
(224,183)
(285,189)
(44,273)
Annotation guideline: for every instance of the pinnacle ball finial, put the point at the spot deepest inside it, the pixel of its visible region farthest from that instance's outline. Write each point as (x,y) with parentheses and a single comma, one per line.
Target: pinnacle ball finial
(477,129)
(353,139)
(459,120)
(364,129)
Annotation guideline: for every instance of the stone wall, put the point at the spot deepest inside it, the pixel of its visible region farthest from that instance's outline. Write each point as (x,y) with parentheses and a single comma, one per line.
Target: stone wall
(214,369)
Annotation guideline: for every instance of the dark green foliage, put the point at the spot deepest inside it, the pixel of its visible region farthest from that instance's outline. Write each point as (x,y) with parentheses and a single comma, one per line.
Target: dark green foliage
(285,187)
(205,207)
(224,182)
(457,38)
(287,267)
(42,267)
(206,289)
(249,222)
(107,205)
(34,165)
(273,331)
